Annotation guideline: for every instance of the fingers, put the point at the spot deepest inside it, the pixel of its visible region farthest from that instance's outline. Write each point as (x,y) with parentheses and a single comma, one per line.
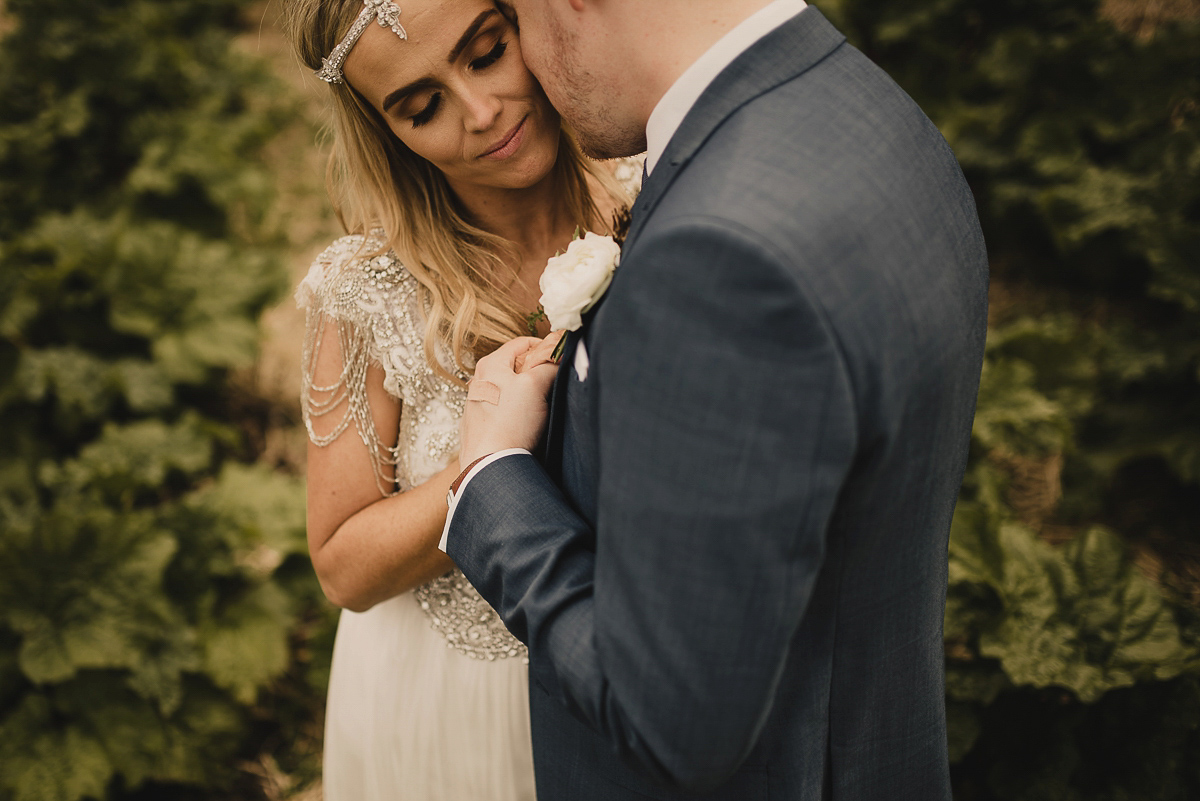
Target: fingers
(509,410)
(507,354)
(544,374)
(539,353)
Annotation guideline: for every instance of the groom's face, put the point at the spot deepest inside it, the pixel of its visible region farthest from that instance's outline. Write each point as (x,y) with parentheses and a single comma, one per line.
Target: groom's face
(568,55)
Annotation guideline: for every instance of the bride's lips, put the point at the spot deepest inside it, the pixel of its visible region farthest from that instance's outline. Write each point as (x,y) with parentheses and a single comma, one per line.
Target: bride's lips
(509,144)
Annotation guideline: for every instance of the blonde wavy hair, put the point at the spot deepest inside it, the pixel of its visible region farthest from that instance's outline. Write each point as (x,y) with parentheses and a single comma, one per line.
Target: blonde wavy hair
(376,182)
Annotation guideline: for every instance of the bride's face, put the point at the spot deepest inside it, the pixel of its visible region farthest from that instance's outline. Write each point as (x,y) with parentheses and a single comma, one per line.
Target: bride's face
(458,94)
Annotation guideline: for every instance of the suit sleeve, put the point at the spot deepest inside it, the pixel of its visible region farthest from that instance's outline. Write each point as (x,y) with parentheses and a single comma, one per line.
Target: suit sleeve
(726,425)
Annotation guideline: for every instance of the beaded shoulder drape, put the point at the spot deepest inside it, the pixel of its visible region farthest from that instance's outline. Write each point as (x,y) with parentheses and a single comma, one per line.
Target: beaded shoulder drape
(372,304)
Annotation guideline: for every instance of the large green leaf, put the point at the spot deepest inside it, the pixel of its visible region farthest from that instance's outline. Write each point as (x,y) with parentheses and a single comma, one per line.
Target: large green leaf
(125,459)
(1080,618)
(246,645)
(42,760)
(1013,415)
(266,508)
(193,743)
(90,595)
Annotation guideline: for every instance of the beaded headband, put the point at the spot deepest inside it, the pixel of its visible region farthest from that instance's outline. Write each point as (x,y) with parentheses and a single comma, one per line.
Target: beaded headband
(385,12)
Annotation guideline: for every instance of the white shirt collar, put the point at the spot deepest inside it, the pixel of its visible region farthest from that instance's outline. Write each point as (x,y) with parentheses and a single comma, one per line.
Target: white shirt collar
(684,93)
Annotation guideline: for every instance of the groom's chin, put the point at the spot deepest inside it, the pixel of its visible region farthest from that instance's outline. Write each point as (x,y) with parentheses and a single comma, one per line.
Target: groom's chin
(610,145)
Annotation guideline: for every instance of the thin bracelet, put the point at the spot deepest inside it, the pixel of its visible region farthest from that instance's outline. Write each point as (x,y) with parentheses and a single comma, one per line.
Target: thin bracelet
(458,481)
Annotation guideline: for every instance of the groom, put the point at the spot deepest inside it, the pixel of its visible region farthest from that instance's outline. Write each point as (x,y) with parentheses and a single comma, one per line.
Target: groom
(730,565)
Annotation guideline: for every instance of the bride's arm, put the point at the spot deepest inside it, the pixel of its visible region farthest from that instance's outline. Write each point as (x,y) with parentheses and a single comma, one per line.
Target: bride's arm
(366,548)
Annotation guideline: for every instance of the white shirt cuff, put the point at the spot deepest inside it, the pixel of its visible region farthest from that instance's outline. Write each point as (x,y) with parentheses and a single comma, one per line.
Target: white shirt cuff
(467,480)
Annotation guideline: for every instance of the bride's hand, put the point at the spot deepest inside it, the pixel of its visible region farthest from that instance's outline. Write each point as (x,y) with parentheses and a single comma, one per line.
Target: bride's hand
(506,406)
(539,353)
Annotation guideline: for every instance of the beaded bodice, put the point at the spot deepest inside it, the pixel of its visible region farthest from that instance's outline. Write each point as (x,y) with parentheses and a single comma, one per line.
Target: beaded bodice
(374,306)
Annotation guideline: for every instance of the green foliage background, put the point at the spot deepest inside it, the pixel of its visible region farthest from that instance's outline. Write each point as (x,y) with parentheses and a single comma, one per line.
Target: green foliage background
(159,624)
(154,587)
(1073,621)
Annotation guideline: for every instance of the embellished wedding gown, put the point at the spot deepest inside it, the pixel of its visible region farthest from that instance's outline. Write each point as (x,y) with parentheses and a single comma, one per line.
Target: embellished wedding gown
(428,694)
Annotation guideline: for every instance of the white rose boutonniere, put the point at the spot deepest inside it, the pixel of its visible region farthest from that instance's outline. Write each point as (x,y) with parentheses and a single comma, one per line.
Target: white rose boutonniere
(573,282)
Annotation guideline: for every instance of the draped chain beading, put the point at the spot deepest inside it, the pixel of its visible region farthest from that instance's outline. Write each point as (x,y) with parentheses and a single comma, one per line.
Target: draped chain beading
(372,304)
(332,295)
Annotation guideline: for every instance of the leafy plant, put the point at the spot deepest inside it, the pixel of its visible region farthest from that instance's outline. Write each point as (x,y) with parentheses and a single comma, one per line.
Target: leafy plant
(1075,554)
(150,580)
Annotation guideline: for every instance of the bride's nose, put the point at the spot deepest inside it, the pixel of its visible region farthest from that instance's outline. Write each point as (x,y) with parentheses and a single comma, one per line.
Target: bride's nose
(481,111)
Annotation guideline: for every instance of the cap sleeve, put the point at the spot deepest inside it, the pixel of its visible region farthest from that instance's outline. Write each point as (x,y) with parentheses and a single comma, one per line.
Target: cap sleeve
(356,297)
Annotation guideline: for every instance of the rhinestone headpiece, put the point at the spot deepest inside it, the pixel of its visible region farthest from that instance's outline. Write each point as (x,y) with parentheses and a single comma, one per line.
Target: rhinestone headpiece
(385,12)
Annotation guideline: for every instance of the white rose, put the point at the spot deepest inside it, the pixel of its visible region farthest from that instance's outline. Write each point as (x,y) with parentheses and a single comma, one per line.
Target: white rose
(573,282)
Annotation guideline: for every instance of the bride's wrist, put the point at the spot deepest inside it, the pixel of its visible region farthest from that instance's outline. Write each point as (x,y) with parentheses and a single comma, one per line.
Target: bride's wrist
(462,475)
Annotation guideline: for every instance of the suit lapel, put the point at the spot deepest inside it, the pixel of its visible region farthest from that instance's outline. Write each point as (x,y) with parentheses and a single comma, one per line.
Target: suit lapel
(551,448)
(551,453)
(781,55)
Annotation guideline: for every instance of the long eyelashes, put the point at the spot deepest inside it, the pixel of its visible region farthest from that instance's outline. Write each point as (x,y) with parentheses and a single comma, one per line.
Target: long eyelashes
(483,62)
(426,114)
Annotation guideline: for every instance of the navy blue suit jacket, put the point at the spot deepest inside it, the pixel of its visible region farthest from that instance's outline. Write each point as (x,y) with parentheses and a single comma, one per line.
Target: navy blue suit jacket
(730,566)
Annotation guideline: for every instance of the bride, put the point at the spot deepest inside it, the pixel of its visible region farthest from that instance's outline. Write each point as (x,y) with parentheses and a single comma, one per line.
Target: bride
(456,181)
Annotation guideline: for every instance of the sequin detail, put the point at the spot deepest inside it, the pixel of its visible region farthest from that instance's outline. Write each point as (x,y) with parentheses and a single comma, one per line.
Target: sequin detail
(373,304)
(466,620)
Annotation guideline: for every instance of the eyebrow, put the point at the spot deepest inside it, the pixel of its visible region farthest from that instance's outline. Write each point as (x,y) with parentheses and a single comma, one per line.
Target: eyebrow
(464,40)
(398,95)
(469,34)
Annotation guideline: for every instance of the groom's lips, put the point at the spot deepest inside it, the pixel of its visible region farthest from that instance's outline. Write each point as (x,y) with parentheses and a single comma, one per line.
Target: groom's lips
(509,144)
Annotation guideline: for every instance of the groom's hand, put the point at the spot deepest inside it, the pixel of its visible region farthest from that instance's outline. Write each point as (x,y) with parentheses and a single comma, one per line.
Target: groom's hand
(506,408)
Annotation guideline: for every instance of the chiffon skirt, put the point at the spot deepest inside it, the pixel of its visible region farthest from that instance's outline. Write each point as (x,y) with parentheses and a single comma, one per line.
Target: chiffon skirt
(410,719)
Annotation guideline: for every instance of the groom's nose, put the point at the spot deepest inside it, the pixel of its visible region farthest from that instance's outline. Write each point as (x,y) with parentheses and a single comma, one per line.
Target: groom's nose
(480,111)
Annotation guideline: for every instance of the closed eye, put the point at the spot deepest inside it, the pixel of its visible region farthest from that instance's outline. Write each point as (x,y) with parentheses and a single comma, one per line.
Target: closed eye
(493,55)
(426,114)
(483,62)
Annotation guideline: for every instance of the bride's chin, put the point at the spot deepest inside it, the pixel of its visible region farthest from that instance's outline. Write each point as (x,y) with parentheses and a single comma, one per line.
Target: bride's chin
(532,170)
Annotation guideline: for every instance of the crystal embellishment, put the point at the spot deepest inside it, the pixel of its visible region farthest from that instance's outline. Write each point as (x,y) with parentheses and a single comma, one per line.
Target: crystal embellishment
(361,298)
(385,12)
(469,625)
(368,307)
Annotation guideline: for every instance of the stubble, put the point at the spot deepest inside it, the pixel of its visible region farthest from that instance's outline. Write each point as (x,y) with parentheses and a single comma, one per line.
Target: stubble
(590,108)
